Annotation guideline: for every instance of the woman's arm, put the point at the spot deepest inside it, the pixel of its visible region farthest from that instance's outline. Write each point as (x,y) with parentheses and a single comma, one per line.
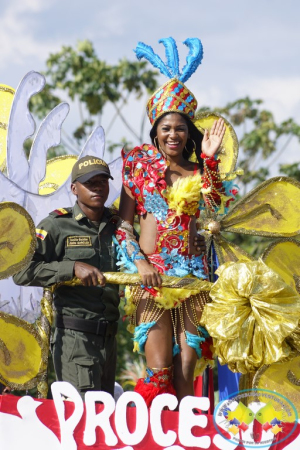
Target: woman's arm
(216,199)
(127,240)
(127,205)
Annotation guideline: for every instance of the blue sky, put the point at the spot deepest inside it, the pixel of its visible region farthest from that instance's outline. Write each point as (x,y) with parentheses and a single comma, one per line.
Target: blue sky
(250,47)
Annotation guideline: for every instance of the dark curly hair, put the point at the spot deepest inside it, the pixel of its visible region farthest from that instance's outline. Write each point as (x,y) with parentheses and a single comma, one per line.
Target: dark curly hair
(195,135)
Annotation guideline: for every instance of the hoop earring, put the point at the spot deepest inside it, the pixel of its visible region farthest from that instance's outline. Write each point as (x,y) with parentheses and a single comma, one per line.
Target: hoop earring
(159,147)
(194,145)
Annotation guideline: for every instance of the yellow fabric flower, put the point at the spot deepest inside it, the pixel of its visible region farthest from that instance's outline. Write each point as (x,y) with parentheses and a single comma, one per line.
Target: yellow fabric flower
(184,195)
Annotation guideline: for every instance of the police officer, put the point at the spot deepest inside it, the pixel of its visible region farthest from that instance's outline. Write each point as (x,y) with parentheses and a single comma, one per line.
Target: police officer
(78,242)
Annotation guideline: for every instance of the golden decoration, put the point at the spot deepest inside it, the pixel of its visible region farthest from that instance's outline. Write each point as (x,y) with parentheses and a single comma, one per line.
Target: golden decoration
(272,209)
(283,378)
(17,241)
(57,172)
(283,256)
(6,98)
(214,227)
(24,349)
(252,316)
(23,346)
(228,152)
(134,279)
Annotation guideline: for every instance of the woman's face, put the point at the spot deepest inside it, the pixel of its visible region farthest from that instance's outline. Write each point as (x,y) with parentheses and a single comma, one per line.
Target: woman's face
(172,134)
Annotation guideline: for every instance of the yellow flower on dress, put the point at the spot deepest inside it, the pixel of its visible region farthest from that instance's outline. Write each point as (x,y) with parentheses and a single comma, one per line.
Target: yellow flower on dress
(184,196)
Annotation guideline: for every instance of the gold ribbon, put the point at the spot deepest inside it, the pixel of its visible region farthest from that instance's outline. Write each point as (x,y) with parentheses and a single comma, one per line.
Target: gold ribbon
(134,279)
(252,316)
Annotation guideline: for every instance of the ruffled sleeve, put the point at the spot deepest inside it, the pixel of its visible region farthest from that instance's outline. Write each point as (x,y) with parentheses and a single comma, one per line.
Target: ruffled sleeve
(143,171)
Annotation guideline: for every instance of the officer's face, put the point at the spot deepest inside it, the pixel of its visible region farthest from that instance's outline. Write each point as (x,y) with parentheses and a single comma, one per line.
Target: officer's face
(93,193)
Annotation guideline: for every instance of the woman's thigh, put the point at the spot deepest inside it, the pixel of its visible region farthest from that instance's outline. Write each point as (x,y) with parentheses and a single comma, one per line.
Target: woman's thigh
(159,344)
(188,320)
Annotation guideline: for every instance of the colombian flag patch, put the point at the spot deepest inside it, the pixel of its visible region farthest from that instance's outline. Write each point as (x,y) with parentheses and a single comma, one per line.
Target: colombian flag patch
(41,233)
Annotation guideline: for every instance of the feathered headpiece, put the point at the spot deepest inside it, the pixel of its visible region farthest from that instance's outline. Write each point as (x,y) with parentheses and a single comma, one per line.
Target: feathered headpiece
(173,95)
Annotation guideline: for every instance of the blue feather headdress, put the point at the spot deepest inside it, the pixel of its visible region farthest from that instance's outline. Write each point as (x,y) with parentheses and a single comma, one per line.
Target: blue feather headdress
(173,95)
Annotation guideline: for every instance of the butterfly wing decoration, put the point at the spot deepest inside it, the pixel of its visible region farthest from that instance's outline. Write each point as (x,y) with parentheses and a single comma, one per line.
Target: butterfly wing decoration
(24,177)
(271,209)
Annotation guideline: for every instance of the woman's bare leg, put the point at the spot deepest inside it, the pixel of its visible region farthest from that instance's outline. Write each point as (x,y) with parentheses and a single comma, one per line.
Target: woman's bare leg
(184,365)
(158,351)
(185,361)
(159,344)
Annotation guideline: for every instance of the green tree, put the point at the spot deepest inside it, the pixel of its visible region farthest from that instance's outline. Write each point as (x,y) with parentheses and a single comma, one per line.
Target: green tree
(261,138)
(78,75)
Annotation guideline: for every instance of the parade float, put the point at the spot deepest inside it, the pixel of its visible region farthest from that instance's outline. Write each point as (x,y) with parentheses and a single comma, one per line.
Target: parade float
(253,317)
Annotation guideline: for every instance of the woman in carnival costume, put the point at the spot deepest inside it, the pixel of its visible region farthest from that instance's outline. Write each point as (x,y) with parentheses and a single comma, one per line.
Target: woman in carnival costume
(168,191)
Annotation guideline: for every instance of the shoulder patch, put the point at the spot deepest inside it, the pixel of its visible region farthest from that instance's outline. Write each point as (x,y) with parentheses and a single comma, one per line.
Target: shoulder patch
(79,216)
(41,234)
(61,212)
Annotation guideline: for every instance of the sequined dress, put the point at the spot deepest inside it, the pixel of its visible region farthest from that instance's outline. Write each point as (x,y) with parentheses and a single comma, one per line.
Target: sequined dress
(172,207)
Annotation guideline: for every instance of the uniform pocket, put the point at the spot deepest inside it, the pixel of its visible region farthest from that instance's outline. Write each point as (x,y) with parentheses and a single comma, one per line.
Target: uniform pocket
(79,253)
(84,368)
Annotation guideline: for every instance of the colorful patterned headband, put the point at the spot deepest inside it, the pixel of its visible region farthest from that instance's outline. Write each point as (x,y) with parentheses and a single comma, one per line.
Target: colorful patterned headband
(173,95)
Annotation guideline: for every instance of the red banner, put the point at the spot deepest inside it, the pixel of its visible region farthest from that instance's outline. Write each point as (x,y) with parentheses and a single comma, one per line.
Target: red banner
(30,423)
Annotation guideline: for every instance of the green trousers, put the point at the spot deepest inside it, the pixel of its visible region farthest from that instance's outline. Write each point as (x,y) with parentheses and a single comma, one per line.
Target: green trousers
(85,360)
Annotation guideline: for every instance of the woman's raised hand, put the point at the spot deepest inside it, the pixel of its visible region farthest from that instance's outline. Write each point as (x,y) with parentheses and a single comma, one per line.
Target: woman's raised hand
(212,140)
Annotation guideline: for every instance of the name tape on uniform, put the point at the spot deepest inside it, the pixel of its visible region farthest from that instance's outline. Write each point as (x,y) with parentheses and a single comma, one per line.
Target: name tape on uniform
(79,241)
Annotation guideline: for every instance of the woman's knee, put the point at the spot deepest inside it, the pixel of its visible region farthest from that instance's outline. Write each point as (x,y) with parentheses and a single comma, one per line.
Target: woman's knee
(184,367)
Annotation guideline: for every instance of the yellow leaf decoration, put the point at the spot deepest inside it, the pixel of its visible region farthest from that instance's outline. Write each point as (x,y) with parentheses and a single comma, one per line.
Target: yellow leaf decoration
(228,152)
(283,257)
(272,209)
(24,349)
(57,171)
(6,98)
(284,378)
(17,240)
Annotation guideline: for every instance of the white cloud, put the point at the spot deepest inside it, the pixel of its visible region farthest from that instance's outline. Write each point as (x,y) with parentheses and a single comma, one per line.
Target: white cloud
(17,32)
(249,48)
(109,21)
(280,94)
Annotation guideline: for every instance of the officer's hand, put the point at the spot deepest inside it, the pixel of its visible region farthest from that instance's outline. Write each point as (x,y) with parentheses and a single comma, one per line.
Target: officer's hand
(149,274)
(89,275)
(199,244)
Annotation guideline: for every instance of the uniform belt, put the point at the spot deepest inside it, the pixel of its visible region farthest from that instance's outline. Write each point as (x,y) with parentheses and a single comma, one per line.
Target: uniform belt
(100,327)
